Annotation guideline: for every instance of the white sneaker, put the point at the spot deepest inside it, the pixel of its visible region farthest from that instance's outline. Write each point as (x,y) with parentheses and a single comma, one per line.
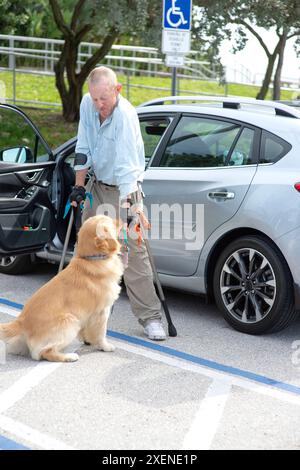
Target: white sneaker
(154,330)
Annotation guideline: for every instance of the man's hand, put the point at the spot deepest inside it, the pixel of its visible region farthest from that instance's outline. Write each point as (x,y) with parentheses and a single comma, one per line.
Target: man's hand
(134,210)
(77,195)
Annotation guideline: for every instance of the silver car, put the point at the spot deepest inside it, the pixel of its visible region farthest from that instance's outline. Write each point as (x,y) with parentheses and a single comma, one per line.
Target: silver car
(222,188)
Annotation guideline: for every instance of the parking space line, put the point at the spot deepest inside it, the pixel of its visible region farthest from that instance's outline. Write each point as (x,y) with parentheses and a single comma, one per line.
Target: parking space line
(206,422)
(234,371)
(11,304)
(31,435)
(212,374)
(207,419)
(22,386)
(9,311)
(8,444)
(19,389)
(204,365)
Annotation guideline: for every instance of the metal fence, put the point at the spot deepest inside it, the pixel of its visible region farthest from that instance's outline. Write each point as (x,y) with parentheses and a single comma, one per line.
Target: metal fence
(37,57)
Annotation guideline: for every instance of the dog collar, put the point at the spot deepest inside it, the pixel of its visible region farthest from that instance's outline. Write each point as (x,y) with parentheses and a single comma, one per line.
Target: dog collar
(95,257)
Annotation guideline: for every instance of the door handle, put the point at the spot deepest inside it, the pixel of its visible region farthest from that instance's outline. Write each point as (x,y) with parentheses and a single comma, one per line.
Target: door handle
(30,177)
(221,195)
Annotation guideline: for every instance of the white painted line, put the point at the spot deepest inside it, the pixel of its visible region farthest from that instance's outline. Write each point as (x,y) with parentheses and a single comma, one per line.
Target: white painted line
(30,380)
(26,383)
(17,391)
(10,311)
(31,435)
(208,417)
(212,374)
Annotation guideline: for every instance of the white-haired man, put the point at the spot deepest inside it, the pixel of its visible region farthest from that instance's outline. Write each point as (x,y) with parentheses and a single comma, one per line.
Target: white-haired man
(110,143)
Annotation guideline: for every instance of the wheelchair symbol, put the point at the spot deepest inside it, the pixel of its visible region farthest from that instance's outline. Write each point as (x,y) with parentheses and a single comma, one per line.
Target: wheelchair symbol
(175,11)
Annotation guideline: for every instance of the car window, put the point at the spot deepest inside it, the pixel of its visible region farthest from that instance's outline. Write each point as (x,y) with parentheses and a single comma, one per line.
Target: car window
(273,148)
(71,159)
(152,132)
(199,142)
(18,141)
(242,153)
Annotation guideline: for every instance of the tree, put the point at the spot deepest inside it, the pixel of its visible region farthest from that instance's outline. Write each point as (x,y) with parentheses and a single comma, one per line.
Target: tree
(284,17)
(105,22)
(281,15)
(101,21)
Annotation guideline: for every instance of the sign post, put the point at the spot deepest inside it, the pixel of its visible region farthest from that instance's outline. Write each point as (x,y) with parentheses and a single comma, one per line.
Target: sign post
(176,34)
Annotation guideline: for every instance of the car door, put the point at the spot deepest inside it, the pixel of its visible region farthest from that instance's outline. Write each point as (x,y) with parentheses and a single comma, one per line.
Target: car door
(27,217)
(195,182)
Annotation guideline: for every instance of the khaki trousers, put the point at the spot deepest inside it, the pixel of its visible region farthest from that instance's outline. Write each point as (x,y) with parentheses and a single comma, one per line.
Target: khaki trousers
(138,276)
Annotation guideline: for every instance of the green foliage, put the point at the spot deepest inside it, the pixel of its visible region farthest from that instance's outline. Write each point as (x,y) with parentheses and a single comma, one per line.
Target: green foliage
(14,17)
(52,126)
(127,16)
(41,24)
(216,19)
(283,16)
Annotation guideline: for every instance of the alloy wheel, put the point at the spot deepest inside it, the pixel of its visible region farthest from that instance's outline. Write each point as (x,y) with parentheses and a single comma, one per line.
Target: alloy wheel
(248,285)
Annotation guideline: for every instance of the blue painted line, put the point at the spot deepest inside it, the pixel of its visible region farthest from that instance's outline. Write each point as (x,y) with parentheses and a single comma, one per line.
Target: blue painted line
(194,359)
(207,363)
(8,444)
(11,304)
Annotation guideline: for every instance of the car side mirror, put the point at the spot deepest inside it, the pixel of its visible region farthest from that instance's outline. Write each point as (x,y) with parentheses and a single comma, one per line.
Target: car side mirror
(16,155)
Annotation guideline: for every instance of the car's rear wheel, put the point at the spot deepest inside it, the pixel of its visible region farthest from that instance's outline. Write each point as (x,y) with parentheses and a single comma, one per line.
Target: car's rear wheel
(15,264)
(253,286)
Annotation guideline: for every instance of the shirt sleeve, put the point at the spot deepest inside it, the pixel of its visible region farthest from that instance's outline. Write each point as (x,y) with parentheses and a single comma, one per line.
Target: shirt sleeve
(82,146)
(130,155)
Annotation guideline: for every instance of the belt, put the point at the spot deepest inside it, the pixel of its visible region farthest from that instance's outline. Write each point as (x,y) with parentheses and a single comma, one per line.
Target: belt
(109,185)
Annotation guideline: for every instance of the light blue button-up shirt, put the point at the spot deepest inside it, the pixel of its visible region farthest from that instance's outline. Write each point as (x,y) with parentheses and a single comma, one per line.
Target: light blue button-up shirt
(115,149)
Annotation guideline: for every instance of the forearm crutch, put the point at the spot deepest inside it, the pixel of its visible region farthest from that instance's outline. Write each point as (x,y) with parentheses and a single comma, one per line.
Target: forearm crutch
(67,238)
(171,328)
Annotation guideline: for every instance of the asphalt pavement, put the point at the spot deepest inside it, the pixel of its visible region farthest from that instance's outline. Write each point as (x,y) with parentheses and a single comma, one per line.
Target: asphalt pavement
(209,388)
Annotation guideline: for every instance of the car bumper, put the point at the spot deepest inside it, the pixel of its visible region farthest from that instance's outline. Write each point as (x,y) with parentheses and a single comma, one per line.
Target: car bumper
(289,246)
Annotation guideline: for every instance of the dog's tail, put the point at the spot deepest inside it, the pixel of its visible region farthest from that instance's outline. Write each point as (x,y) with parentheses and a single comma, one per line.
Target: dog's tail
(9,331)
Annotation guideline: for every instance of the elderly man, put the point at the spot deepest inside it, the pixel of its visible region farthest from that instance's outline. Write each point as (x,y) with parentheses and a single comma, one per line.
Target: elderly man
(110,143)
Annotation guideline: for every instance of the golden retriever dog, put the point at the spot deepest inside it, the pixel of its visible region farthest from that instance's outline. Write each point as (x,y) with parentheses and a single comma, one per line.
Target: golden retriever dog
(75,303)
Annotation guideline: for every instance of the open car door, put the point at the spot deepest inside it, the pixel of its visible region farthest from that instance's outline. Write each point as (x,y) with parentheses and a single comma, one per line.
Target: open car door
(27,215)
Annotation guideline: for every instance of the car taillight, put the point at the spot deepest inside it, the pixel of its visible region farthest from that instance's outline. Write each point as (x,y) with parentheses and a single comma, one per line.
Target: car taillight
(297,186)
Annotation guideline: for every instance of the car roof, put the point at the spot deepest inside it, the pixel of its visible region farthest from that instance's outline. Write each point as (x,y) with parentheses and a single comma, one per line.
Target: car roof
(230,102)
(263,117)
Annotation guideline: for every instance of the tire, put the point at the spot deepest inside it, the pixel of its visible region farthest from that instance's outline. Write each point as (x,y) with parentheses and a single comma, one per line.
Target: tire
(260,298)
(15,264)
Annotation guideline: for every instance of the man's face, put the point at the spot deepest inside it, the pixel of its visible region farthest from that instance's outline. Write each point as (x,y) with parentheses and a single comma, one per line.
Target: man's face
(104,97)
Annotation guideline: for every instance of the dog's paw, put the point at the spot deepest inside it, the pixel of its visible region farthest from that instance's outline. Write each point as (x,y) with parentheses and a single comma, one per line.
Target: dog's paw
(71,357)
(105,346)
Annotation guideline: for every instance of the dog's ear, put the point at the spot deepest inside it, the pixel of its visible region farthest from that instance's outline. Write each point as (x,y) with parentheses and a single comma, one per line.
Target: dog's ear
(113,245)
(98,242)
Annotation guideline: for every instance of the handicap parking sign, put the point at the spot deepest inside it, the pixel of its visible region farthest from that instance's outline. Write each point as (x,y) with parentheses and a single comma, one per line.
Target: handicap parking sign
(177,14)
